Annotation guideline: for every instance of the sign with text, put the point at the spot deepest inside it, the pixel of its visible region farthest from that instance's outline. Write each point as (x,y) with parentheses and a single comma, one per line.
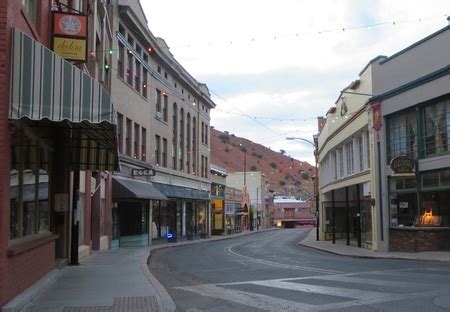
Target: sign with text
(69,35)
(147,172)
(402,164)
(70,49)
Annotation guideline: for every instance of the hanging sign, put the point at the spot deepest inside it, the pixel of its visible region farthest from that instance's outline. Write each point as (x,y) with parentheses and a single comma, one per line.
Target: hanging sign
(402,164)
(69,35)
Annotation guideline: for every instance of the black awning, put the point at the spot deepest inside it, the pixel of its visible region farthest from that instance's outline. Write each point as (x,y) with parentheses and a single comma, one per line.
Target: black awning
(125,188)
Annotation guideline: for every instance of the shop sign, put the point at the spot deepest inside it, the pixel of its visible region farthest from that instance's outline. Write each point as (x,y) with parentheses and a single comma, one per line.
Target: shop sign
(69,35)
(402,164)
(147,172)
(376,112)
(70,49)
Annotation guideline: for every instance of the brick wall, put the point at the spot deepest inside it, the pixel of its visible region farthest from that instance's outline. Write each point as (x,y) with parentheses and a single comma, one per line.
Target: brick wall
(416,240)
(16,273)
(28,267)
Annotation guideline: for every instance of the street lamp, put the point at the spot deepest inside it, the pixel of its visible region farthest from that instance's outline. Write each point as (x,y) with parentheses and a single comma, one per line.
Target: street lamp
(244,150)
(315,144)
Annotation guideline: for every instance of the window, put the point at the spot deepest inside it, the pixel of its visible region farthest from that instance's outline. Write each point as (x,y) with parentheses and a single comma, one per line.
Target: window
(158,101)
(174,136)
(202,166)
(144,144)
(144,82)
(437,128)
(120,132)
(120,60)
(137,78)
(194,146)
(164,153)
(31,9)
(361,153)
(130,68)
(157,149)
(203,132)
(367,139)
(188,143)
(29,185)
(121,30)
(159,69)
(335,163)
(165,106)
(166,75)
(349,156)
(136,141)
(182,139)
(128,136)
(206,167)
(206,134)
(402,138)
(341,161)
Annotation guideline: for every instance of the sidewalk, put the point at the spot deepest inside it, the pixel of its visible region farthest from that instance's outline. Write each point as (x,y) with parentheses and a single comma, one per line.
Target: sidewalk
(340,248)
(110,280)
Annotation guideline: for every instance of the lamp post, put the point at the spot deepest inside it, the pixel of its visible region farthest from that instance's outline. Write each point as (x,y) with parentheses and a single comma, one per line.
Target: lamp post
(315,144)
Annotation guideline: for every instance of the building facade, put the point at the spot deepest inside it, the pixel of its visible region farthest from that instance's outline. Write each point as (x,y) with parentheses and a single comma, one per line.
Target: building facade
(163,128)
(218,190)
(57,139)
(345,157)
(289,212)
(411,113)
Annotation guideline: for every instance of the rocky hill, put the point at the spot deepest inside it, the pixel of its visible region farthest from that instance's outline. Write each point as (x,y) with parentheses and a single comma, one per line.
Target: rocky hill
(284,174)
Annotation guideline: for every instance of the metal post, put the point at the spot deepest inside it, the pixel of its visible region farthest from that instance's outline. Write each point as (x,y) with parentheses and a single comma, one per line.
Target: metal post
(358,203)
(333,217)
(347,227)
(75,221)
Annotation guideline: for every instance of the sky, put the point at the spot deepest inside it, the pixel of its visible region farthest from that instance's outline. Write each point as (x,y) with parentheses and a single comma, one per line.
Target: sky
(273,67)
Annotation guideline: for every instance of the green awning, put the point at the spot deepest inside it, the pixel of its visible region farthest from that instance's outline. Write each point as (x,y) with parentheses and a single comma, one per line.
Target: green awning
(47,88)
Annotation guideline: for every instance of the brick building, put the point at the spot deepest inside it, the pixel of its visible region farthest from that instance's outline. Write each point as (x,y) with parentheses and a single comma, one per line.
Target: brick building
(289,212)
(57,137)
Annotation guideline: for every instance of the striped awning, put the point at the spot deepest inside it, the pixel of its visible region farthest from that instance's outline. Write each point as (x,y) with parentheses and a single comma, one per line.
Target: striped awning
(45,87)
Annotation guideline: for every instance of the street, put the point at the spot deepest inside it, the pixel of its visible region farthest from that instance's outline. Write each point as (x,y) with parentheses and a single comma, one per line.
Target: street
(269,271)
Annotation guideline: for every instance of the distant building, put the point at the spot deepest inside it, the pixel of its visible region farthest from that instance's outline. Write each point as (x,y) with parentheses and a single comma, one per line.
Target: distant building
(290,212)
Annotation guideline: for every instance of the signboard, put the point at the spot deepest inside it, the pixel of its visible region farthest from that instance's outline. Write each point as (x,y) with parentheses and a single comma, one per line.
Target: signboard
(70,49)
(147,172)
(69,24)
(69,35)
(402,164)
(377,120)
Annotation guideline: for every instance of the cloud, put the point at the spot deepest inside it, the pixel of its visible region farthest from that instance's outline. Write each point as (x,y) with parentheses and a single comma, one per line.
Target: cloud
(285,59)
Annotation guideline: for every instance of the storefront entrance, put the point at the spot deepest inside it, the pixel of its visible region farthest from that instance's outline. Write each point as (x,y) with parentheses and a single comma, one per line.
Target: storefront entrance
(133,224)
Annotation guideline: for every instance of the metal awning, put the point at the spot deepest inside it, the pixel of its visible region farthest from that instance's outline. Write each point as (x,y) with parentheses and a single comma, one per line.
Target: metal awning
(125,188)
(46,89)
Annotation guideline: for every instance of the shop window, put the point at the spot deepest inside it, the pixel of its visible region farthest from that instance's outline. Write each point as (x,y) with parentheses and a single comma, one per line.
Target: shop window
(430,179)
(29,180)
(437,128)
(402,135)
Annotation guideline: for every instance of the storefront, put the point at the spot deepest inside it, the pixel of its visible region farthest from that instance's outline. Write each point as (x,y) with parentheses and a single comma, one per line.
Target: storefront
(133,202)
(54,135)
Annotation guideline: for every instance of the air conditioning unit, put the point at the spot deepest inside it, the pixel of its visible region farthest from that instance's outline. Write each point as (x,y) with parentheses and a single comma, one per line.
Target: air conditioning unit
(158,115)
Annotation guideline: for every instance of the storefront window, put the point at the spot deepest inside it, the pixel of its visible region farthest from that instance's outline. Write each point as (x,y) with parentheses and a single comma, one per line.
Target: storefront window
(29,180)
(437,128)
(402,138)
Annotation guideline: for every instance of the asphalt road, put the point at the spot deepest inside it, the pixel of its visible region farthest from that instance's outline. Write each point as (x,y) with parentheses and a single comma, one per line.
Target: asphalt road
(269,271)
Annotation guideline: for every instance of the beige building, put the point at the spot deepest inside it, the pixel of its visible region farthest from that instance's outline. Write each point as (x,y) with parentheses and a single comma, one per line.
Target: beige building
(345,161)
(163,130)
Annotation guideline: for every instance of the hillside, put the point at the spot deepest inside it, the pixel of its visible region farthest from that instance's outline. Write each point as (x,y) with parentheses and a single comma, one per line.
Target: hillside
(285,175)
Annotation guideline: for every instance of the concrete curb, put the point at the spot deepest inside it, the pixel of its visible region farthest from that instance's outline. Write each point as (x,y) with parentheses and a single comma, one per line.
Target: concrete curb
(165,301)
(361,256)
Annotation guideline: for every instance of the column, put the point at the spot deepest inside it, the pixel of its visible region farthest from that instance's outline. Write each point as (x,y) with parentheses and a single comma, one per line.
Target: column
(183,218)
